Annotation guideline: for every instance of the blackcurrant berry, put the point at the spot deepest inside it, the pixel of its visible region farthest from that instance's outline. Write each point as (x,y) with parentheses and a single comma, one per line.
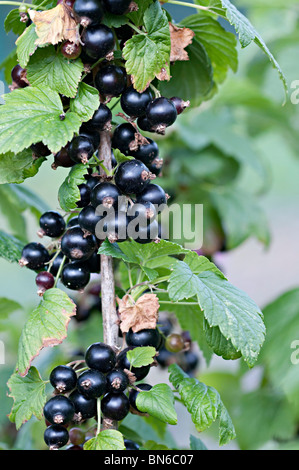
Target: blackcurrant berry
(40,150)
(131,445)
(156,166)
(98,41)
(113,227)
(76,245)
(117,381)
(75,276)
(174,343)
(52,224)
(89,12)
(71,50)
(56,436)
(147,153)
(18,74)
(123,363)
(63,159)
(117,7)
(153,193)
(63,379)
(161,113)
(165,358)
(147,337)
(111,80)
(123,138)
(101,119)
(142,214)
(92,135)
(165,326)
(77,436)
(106,195)
(132,176)
(147,234)
(44,281)
(115,406)
(92,384)
(84,195)
(88,219)
(56,263)
(100,356)
(134,394)
(92,181)
(144,124)
(85,408)
(59,410)
(190,362)
(134,103)
(93,264)
(73,222)
(34,256)
(180,104)
(81,149)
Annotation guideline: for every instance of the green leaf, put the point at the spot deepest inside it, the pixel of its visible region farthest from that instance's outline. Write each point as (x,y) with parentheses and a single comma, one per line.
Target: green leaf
(13,23)
(196,443)
(137,16)
(114,21)
(120,157)
(10,247)
(46,326)
(147,54)
(152,445)
(237,316)
(49,68)
(69,193)
(8,306)
(106,440)
(31,115)
(158,402)
(86,102)
(7,65)
(221,45)
(143,356)
(219,344)
(26,45)
(191,80)
(29,397)
(15,168)
(24,198)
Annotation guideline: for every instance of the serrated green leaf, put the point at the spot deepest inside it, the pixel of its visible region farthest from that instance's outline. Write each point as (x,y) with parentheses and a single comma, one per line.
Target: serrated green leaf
(147,54)
(143,356)
(7,65)
(114,21)
(226,428)
(15,168)
(49,68)
(10,247)
(120,157)
(69,193)
(109,439)
(220,345)
(137,16)
(13,22)
(8,306)
(237,316)
(33,114)
(26,45)
(152,445)
(158,402)
(29,397)
(86,102)
(196,443)
(46,326)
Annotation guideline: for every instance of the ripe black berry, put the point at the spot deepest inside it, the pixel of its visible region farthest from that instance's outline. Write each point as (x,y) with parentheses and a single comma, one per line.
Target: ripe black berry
(114,227)
(153,193)
(34,256)
(132,176)
(148,152)
(117,381)
(85,408)
(98,41)
(89,12)
(84,195)
(106,195)
(131,445)
(63,159)
(91,134)
(134,103)
(63,379)
(165,358)
(40,150)
(92,384)
(59,410)
(180,104)
(76,245)
(17,75)
(56,437)
(143,213)
(134,394)
(52,224)
(75,276)
(92,181)
(93,264)
(189,362)
(123,363)
(81,149)
(44,281)
(161,113)
(100,356)
(123,137)
(147,337)
(56,263)
(71,50)
(144,124)
(111,80)
(115,406)
(117,7)
(88,219)
(147,234)
(101,119)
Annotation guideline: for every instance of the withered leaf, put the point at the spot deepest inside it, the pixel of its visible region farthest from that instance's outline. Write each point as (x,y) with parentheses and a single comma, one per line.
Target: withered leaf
(180,39)
(139,315)
(55,25)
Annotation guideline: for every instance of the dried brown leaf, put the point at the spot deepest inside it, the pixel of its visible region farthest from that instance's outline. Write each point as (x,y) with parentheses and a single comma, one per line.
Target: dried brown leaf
(180,39)
(55,25)
(138,315)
